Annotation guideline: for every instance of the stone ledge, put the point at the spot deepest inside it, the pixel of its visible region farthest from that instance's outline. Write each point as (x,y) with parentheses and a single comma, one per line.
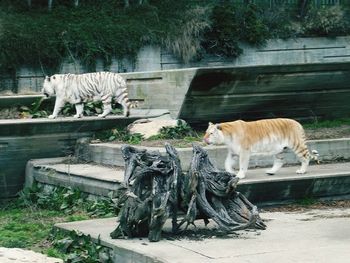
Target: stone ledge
(329,150)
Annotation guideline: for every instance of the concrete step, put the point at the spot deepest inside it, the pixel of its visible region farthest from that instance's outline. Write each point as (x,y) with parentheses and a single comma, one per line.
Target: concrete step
(321,181)
(329,151)
(96,180)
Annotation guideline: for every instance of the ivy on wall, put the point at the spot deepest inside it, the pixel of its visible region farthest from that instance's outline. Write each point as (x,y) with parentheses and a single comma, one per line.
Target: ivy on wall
(105,29)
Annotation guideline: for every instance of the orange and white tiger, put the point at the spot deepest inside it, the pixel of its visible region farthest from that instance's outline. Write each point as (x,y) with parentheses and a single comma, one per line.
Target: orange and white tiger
(79,88)
(262,137)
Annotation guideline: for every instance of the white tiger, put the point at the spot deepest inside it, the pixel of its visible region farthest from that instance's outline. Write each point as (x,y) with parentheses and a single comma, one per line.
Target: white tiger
(79,88)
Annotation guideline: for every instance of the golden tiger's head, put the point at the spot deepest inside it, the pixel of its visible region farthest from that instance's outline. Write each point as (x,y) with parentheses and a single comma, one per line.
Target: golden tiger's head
(49,86)
(213,134)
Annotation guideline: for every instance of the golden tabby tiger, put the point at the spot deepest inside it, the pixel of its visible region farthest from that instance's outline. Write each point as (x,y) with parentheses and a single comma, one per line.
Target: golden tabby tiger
(262,137)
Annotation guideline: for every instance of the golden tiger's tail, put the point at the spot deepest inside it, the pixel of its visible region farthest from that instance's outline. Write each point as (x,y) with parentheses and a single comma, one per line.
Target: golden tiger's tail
(314,156)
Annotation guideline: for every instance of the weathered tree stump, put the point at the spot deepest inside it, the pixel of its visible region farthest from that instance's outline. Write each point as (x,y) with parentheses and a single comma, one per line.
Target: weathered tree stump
(156,189)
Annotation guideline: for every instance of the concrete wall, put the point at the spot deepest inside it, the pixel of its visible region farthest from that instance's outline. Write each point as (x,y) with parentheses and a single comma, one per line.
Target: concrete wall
(28,80)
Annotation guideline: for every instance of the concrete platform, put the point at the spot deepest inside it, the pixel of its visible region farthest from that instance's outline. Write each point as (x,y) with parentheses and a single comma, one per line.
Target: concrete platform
(315,236)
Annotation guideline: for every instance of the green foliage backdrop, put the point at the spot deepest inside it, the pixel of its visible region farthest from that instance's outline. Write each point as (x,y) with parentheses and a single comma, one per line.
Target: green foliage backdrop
(188,28)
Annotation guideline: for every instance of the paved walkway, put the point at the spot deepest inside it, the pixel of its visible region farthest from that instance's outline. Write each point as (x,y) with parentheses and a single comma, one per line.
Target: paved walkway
(312,236)
(17,255)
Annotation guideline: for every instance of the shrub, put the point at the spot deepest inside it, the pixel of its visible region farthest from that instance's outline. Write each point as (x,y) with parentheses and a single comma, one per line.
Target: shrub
(326,21)
(185,41)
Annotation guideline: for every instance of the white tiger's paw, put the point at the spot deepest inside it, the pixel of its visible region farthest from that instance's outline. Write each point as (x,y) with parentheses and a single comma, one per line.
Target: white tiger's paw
(52,116)
(77,116)
(300,171)
(101,116)
(240,174)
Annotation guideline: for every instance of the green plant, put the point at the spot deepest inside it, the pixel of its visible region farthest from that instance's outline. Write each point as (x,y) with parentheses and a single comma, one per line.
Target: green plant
(180,131)
(185,41)
(91,108)
(222,38)
(118,134)
(66,199)
(78,247)
(29,227)
(326,21)
(307,201)
(326,124)
(252,28)
(34,111)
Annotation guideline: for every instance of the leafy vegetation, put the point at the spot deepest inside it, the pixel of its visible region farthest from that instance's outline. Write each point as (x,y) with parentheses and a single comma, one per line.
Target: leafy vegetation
(78,247)
(326,124)
(39,110)
(118,134)
(190,29)
(34,111)
(66,200)
(28,221)
(182,132)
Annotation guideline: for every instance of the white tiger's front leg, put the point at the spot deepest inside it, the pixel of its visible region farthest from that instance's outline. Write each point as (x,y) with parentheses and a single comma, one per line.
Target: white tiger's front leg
(230,162)
(59,103)
(107,108)
(79,107)
(243,163)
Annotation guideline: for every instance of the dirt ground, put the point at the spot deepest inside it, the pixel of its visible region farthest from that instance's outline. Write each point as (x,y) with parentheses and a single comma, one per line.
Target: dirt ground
(328,133)
(10,113)
(305,205)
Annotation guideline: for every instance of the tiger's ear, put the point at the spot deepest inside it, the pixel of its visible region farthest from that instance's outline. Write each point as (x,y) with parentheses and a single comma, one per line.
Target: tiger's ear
(218,126)
(210,123)
(47,78)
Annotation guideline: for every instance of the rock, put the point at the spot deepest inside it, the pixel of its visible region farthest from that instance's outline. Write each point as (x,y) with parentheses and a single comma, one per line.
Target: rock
(152,126)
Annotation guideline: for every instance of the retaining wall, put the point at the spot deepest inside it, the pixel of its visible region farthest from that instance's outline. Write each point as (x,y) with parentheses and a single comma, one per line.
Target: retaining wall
(29,80)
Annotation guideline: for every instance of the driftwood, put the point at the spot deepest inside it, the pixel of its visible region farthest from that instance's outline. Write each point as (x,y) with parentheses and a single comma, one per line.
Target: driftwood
(157,189)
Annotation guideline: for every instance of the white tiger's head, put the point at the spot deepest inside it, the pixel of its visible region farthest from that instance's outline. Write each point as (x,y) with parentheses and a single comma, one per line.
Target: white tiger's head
(49,86)
(213,135)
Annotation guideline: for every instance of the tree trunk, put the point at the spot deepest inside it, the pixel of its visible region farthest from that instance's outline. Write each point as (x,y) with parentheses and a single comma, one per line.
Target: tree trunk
(156,189)
(303,5)
(126,3)
(49,4)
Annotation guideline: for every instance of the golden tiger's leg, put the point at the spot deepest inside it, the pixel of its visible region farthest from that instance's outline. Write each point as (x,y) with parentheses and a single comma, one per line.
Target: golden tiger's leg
(303,154)
(243,163)
(230,162)
(277,164)
(304,165)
